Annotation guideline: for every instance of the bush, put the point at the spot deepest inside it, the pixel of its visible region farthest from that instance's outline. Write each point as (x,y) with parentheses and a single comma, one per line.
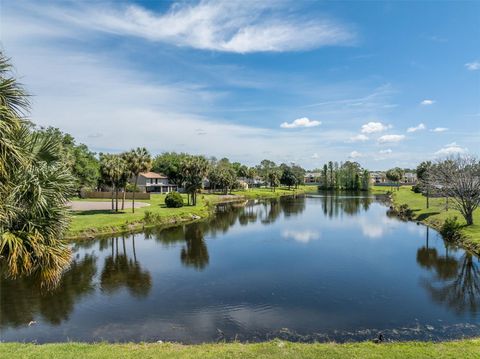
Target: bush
(451,229)
(174,200)
(417,188)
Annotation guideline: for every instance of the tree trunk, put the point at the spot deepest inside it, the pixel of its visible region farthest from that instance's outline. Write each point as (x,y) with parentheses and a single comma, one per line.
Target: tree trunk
(116,199)
(113,195)
(133,194)
(469,218)
(428,195)
(123,197)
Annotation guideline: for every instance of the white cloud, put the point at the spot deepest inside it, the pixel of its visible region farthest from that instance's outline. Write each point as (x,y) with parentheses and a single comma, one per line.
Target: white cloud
(473,66)
(357,138)
(427,102)
(301,122)
(391,138)
(439,129)
(304,236)
(417,128)
(374,127)
(228,26)
(385,152)
(355,154)
(315,156)
(451,149)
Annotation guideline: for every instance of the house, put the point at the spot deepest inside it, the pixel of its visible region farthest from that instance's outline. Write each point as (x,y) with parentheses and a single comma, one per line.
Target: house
(410,178)
(312,177)
(377,177)
(154,182)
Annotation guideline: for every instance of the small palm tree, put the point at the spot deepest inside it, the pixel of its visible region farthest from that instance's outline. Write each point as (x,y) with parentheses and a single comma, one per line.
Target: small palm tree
(138,161)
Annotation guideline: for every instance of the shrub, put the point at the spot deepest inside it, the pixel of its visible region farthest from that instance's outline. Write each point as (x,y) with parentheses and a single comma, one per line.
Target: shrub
(451,229)
(174,200)
(417,188)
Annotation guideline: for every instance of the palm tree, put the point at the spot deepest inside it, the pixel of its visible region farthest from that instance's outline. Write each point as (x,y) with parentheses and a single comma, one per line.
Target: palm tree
(112,169)
(138,161)
(34,188)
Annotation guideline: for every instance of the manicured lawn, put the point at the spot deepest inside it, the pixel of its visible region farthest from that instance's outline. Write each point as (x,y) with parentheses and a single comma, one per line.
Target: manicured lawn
(464,349)
(89,223)
(436,214)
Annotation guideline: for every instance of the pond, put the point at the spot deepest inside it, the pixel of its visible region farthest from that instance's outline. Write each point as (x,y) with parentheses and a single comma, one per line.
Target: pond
(310,268)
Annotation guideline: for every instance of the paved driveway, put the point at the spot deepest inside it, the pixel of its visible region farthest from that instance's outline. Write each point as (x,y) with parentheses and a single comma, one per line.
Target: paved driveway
(99,206)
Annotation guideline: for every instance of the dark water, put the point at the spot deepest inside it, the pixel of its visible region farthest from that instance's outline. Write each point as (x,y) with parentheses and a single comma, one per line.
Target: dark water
(307,268)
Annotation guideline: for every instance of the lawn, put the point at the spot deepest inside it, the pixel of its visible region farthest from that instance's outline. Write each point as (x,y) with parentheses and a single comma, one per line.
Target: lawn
(275,349)
(436,214)
(91,223)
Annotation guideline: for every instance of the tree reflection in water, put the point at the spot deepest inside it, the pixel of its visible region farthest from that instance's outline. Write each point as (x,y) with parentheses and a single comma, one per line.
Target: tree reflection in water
(23,298)
(195,252)
(456,281)
(350,203)
(121,271)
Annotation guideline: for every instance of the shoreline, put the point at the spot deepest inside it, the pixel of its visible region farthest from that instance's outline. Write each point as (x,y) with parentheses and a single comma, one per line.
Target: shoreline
(434,220)
(201,212)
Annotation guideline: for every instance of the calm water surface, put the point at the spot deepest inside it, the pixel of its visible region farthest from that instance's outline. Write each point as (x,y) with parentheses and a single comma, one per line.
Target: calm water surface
(320,267)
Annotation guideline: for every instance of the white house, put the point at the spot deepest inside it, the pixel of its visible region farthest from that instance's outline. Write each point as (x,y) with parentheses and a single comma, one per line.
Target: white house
(154,182)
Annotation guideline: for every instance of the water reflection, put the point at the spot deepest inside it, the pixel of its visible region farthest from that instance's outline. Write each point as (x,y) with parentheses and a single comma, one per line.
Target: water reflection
(256,268)
(121,270)
(456,280)
(24,298)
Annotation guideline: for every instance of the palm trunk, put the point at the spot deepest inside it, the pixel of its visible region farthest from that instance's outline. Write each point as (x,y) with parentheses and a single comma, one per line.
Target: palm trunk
(123,197)
(116,199)
(113,195)
(133,194)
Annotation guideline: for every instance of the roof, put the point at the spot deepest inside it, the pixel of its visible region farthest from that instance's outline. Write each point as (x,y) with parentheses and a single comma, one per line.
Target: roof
(152,175)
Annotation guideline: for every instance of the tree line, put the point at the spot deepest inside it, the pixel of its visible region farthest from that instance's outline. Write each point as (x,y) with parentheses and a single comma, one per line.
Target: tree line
(347,175)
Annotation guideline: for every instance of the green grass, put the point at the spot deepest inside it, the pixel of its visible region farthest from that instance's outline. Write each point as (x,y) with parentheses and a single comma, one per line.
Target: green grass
(436,214)
(464,349)
(86,224)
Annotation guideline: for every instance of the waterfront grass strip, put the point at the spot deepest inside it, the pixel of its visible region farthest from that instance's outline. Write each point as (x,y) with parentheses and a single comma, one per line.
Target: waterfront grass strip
(86,224)
(275,349)
(437,213)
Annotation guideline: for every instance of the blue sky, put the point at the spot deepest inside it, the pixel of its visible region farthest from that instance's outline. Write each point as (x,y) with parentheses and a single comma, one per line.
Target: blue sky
(383,83)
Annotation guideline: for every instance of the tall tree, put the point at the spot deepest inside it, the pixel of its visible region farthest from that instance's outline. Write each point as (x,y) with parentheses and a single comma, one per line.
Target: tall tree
(169,163)
(459,179)
(113,169)
(194,170)
(138,161)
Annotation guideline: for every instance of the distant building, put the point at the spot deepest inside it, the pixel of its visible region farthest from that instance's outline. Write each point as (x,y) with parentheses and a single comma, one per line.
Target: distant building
(410,178)
(312,177)
(377,177)
(152,182)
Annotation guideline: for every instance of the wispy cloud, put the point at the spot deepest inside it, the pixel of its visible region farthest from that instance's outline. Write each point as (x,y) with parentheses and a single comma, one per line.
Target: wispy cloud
(301,122)
(439,129)
(227,26)
(420,127)
(451,149)
(391,138)
(385,152)
(374,127)
(473,66)
(355,154)
(358,138)
(427,102)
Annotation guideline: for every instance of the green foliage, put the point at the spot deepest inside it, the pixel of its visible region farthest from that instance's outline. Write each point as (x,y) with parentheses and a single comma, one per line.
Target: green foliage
(348,176)
(193,169)
(80,161)
(35,184)
(451,229)
(169,163)
(222,175)
(174,200)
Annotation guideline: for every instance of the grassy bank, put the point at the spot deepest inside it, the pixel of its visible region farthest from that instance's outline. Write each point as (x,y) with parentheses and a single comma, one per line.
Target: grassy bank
(86,224)
(436,214)
(275,349)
